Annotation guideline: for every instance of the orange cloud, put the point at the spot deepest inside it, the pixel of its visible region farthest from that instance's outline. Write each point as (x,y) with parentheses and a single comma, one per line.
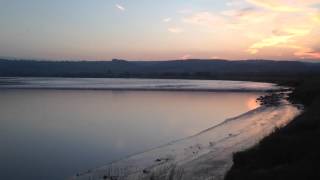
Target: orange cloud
(284,5)
(289,24)
(275,5)
(282,36)
(268,42)
(186,56)
(304,53)
(316,18)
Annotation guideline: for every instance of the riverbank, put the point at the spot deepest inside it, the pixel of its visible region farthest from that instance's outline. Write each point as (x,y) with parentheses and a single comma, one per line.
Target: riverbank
(206,155)
(291,152)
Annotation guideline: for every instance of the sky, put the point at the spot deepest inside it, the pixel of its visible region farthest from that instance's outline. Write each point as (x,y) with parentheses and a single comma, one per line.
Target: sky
(160,30)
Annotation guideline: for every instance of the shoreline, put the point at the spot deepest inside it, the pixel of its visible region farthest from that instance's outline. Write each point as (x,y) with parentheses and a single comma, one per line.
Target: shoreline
(291,152)
(157,163)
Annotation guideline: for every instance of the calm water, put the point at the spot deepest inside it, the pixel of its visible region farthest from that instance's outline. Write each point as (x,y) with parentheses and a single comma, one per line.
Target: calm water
(132,84)
(52,134)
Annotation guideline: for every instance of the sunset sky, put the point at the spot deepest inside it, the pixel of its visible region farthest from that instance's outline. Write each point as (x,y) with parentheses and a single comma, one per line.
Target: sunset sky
(160,30)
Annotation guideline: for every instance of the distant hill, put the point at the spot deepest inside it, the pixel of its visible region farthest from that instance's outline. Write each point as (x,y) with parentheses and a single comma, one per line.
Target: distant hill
(211,69)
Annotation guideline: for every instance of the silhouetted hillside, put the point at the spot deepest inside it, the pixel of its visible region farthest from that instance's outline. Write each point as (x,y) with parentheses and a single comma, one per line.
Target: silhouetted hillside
(176,68)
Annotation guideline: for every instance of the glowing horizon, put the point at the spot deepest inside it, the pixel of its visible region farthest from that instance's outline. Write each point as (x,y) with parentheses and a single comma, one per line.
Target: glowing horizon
(144,30)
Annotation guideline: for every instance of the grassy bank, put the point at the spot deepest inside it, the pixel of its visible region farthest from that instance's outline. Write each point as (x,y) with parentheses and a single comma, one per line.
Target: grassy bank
(292,152)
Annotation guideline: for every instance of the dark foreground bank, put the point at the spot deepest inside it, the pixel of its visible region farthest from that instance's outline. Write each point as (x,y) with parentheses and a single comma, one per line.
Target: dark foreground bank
(292,152)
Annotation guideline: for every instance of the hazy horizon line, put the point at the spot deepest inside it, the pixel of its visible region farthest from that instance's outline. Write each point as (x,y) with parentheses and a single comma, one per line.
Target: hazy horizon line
(148,60)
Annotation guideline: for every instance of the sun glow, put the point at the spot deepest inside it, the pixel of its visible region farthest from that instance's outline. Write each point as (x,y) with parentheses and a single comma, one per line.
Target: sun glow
(134,30)
(252,103)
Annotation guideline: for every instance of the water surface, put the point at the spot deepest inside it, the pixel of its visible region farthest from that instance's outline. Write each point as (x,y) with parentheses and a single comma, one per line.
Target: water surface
(133,84)
(52,134)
